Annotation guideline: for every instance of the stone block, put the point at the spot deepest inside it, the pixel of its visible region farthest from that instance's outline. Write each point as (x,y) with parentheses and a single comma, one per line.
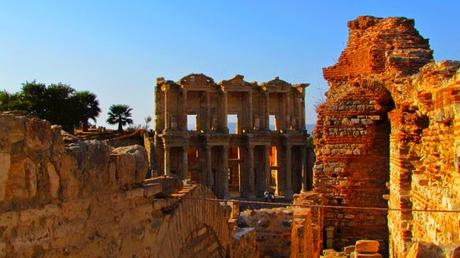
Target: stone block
(370,255)
(367,246)
(349,249)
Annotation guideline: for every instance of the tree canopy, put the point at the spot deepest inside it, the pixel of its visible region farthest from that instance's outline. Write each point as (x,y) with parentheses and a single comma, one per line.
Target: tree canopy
(57,103)
(119,114)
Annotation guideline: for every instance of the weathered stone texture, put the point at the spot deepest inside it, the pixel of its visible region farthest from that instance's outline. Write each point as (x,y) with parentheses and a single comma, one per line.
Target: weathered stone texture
(389,123)
(244,243)
(273,227)
(89,200)
(294,231)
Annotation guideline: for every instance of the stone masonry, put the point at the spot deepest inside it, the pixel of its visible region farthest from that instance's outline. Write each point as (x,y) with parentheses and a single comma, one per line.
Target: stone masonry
(88,199)
(388,131)
(247,162)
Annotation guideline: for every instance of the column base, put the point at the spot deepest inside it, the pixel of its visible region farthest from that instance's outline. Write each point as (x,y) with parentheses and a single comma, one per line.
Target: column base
(251,196)
(288,195)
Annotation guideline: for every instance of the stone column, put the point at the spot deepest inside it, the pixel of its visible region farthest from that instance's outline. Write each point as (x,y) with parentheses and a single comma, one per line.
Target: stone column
(265,119)
(184,121)
(302,113)
(167,122)
(304,169)
(224,173)
(185,173)
(288,191)
(166,160)
(281,175)
(208,167)
(249,117)
(282,118)
(251,175)
(225,111)
(207,126)
(288,111)
(267,168)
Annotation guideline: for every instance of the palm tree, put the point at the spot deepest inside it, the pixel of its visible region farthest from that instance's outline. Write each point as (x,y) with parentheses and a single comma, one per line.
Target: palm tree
(119,114)
(147,121)
(87,107)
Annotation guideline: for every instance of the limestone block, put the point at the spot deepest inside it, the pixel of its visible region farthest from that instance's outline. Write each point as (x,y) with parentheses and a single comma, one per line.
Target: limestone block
(70,185)
(54,183)
(22,179)
(5,163)
(38,134)
(349,249)
(131,162)
(367,246)
(12,128)
(370,255)
(423,249)
(168,184)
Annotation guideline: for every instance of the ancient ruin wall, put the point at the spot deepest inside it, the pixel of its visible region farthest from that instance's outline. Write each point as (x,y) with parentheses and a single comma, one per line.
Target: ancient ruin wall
(425,169)
(89,200)
(377,131)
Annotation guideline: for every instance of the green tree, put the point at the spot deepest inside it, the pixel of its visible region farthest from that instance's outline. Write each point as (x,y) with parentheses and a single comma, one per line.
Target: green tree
(121,115)
(57,103)
(10,102)
(87,107)
(58,107)
(147,121)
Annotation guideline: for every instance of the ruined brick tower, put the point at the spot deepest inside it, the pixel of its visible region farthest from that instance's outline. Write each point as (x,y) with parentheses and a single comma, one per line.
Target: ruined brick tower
(378,138)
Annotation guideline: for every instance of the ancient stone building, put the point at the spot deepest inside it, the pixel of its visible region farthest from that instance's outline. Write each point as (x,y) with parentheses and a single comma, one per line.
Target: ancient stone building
(88,199)
(266,151)
(387,136)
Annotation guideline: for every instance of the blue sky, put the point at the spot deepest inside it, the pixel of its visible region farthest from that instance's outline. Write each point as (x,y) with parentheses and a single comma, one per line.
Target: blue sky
(117,49)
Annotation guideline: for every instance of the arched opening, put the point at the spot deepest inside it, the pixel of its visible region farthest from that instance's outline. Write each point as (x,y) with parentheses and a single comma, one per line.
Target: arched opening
(202,242)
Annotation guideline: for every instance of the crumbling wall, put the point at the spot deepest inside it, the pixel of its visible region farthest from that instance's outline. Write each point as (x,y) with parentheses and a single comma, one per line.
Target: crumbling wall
(90,200)
(244,243)
(292,231)
(389,124)
(426,168)
(273,229)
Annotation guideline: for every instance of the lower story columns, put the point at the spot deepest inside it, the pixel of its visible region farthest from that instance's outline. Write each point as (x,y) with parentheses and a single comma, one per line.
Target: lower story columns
(223,175)
(247,177)
(267,168)
(304,169)
(184,166)
(288,192)
(166,160)
(208,168)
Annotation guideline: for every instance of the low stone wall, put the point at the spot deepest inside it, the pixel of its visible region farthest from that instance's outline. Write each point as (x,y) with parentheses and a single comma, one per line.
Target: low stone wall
(90,200)
(244,243)
(312,223)
(295,231)
(273,229)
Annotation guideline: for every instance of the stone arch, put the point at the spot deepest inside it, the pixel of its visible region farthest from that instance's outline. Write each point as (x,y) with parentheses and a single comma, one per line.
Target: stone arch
(202,242)
(194,217)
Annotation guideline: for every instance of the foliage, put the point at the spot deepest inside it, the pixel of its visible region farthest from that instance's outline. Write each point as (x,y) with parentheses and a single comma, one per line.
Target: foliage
(147,121)
(310,142)
(88,107)
(120,114)
(57,103)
